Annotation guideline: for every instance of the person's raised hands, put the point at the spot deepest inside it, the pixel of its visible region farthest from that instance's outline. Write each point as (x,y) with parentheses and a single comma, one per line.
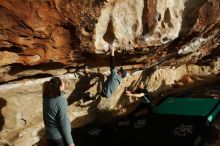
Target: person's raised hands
(112,50)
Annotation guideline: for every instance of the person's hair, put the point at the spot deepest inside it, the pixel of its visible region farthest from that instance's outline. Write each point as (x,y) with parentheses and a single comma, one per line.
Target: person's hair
(144,84)
(123,72)
(51,89)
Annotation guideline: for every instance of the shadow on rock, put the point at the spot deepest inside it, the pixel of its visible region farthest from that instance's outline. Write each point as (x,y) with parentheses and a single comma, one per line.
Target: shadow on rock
(87,88)
(2,104)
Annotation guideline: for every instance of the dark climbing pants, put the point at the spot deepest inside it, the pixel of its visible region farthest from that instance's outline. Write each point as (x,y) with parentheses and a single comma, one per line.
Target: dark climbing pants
(59,142)
(142,106)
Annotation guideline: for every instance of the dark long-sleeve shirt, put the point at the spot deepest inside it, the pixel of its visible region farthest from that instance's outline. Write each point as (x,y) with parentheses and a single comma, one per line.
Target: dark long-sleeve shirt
(145,100)
(57,123)
(112,62)
(146,97)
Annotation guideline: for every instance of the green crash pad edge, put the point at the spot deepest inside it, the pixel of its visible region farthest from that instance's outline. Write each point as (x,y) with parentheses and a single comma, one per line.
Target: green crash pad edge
(190,106)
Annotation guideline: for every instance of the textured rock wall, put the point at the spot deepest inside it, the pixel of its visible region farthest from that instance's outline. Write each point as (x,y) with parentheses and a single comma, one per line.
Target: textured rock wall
(67,34)
(41,38)
(119,20)
(21,103)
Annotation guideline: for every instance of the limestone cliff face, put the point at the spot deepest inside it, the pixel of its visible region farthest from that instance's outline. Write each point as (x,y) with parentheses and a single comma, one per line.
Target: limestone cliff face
(171,40)
(67,32)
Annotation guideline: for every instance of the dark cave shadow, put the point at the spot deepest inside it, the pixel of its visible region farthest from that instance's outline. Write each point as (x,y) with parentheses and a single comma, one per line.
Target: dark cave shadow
(190,15)
(132,86)
(202,87)
(146,73)
(3,103)
(92,105)
(212,136)
(43,139)
(82,87)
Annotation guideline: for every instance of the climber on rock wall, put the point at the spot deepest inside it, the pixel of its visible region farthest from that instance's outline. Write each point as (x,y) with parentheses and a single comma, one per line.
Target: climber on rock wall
(143,96)
(115,77)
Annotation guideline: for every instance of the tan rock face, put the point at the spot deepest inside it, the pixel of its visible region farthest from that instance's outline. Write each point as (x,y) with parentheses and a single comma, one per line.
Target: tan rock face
(171,39)
(120,20)
(21,103)
(8,58)
(169,19)
(76,32)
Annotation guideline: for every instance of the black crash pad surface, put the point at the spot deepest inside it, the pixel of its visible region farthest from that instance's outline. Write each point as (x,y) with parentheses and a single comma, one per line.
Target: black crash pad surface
(148,130)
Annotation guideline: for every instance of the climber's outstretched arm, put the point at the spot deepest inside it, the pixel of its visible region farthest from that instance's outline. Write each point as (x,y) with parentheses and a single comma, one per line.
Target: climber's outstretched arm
(112,59)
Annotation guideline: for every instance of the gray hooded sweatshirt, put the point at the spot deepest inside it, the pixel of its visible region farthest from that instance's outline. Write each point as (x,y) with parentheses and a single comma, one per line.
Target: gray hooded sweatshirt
(57,123)
(111,84)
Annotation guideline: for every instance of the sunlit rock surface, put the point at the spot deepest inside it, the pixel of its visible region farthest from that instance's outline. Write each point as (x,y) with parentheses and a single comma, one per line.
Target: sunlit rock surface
(120,21)
(148,32)
(175,43)
(21,103)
